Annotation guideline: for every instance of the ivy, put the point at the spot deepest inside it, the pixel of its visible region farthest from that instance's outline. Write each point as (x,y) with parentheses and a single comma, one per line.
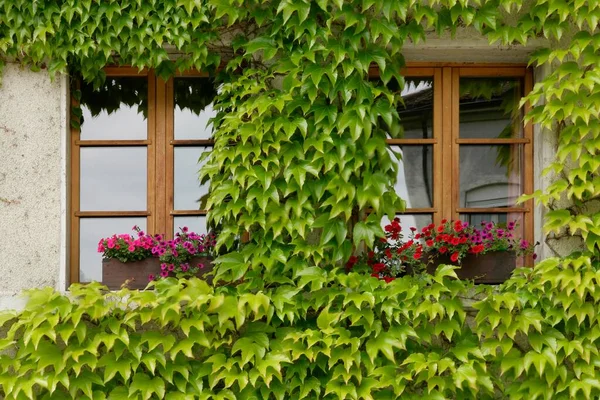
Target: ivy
(300,163)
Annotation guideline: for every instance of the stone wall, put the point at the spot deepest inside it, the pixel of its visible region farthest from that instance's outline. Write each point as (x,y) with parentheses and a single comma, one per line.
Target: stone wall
(33,133)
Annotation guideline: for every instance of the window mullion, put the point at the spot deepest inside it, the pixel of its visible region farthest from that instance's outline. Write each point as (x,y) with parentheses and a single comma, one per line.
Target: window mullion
(159,184)
(448,168)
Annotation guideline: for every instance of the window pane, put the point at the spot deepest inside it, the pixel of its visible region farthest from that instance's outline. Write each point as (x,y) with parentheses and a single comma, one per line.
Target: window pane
(113,179)
(188,190)
(416,114)
(193,107)
(117,111)
(196,223)
(489,108)
(415,175)
(410,220)
(490,176)
(91,230)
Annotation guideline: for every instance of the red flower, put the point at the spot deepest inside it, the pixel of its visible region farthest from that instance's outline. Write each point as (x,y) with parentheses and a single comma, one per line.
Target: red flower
(429,243)
(477,249)
(440,228)
(455,241)
(418,236)
(397,219)
(443,249)
(351,261)
(454,256)
(388,279)
(444,221)
(417,255)
(377,268)
(375,275)
(463,239)
(388,253)
(458,226)
(412,228)
(371,254)
(383,240)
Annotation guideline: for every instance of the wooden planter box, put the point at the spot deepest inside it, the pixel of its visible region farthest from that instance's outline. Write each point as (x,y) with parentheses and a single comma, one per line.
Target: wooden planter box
(490,268)
(115,272)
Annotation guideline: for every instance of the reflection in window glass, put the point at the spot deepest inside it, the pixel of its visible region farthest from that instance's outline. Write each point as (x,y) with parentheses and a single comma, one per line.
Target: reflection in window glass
(117,111)
(489,108)
(91,230)
(409,220)
(113,178)
(193,107)
(490,176)
(416,109)
(414,183)
(188,190)
(196,223)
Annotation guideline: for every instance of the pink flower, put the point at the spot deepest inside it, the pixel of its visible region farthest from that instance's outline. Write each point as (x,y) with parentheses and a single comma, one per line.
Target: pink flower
(131,247)
(171,267)
(164,274)
(101,248)
(151,277)
(200,265)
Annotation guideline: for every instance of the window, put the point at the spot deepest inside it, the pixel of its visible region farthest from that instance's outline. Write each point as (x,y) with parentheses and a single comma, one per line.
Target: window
(134,161)
(466,153)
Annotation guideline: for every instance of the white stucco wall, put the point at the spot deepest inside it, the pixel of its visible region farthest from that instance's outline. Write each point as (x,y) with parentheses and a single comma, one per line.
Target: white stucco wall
(33,133)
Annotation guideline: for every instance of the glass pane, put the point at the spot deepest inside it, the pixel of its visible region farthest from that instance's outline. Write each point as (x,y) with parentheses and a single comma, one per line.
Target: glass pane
(188,190)
(196,223)
(117,111)
(193,107)
(410,220)
(489,108)
(113,178)
(490,176)
(416,114)
(415,175)
(91,230)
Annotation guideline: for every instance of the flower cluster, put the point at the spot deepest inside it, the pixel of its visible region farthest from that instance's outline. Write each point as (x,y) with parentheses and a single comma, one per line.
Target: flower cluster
(393,257)
(175,255)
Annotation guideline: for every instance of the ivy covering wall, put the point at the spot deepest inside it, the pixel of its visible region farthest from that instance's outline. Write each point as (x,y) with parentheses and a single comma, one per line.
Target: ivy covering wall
(299,155)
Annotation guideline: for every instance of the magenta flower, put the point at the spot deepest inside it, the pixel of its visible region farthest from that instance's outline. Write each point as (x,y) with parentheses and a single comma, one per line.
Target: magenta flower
(151,277)
(164,274)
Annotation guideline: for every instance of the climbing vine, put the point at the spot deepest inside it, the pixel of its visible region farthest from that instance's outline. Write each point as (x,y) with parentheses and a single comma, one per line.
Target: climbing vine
(299,161)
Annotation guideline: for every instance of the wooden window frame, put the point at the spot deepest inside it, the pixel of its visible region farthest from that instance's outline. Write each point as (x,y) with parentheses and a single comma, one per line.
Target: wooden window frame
(160,143)
(445,139)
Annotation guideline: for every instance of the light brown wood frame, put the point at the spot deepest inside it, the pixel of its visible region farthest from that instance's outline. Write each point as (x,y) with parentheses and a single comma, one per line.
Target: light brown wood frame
(446,140)
(76,144)
(452,77)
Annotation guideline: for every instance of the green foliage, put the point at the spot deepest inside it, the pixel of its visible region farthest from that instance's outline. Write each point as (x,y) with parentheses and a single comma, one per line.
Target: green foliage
(299,157)
(324,335)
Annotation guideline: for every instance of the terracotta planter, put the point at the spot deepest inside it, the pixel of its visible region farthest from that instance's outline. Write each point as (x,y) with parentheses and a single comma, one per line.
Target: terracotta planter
(115,272)
(490,268)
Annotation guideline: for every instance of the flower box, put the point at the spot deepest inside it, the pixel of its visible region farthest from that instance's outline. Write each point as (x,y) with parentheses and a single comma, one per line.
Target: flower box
(490,268)
(115,272)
